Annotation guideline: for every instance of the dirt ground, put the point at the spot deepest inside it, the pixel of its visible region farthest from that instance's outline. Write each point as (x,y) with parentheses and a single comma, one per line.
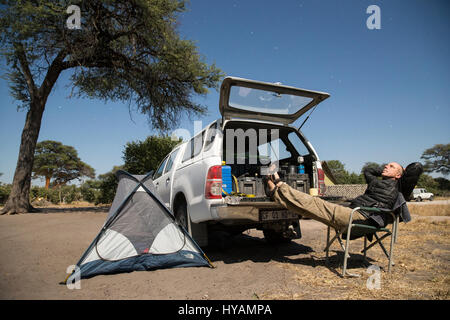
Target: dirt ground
(36,249)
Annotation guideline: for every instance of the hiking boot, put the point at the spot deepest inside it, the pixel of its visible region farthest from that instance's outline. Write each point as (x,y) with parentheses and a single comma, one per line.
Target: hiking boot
(270,193)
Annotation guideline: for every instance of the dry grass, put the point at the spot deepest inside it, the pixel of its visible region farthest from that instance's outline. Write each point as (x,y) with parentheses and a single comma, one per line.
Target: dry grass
(421,271)
(429,209)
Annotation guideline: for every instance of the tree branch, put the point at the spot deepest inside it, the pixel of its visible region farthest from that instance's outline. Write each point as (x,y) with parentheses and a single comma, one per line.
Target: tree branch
(20,53)
(52,74)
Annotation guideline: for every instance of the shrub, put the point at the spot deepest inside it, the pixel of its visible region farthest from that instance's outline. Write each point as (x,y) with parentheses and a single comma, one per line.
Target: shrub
(69,194)
(90,190)
(5,190)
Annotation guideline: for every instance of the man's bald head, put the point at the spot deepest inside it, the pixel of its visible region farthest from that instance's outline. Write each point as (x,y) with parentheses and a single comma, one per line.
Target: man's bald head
(392,170)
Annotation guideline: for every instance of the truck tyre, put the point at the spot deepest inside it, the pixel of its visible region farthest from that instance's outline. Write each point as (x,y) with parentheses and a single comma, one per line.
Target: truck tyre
(275,237)
(181,215)
(419,199)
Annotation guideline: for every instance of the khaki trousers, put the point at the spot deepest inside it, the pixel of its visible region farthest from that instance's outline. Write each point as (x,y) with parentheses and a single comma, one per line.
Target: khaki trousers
(331,214)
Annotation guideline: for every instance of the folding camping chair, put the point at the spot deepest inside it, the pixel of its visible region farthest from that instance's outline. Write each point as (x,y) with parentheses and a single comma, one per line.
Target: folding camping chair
(399,213)
(355,230)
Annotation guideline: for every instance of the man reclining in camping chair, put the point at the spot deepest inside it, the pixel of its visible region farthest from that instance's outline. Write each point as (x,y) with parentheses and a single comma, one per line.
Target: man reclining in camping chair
(386,193)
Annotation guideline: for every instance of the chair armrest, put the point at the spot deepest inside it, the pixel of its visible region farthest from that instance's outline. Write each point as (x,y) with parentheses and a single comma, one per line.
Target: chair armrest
(373,209)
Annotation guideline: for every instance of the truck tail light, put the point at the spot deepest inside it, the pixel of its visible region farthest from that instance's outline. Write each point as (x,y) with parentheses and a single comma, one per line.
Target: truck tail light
(213,186)
(321,182)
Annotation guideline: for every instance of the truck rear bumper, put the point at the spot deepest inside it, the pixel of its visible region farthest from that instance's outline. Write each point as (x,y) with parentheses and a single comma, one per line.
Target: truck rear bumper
(250,211)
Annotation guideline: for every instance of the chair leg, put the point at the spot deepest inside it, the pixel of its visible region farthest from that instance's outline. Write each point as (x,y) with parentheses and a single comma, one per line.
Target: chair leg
(397,222)
(365,246)
(327,248)
(393,240)
(391,252)
(381,244)
(346,255)
(344,268)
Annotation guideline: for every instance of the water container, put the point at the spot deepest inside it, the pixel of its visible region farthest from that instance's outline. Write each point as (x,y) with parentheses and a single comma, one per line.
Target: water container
(292,169)
(301,169)
(227,181)
(301,166)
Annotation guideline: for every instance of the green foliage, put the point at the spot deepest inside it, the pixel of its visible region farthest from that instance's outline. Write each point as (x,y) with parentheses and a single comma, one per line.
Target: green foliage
(354,178)
(337,168)
(107,186)
(99,191)
(5,190)
(141,157)
(443,184)
(59,195)
(70,194)
(59,162)
(342,176)
(437,159)
(439,186)
(372,165)
(426,181)
(126,51)
(91,191)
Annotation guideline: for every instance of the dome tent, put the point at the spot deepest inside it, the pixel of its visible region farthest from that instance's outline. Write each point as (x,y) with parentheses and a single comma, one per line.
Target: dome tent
(140,233)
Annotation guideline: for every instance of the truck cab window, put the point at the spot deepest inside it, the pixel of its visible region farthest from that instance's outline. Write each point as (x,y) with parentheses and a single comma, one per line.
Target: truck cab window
(170,161)
(159,172)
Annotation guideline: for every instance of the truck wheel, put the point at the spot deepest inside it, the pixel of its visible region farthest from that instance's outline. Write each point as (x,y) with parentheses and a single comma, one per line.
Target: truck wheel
(181,215)
(419,199)
(275,237)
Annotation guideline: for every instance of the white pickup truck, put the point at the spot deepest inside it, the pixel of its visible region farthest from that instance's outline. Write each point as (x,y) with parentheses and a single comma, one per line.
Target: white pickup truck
(420,194)
(253,132)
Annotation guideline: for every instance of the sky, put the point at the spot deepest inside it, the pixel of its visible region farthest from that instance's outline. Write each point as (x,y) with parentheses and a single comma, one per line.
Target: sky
(389,87)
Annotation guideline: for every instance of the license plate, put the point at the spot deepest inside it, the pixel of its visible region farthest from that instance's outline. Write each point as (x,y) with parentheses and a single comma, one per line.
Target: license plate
(268,215)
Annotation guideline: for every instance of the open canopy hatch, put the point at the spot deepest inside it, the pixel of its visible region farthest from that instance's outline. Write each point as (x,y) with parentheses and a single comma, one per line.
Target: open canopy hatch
(249,99)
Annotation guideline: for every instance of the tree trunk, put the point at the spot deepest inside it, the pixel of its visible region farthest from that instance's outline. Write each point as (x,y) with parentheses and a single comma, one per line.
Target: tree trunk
(19,198)
(47,182)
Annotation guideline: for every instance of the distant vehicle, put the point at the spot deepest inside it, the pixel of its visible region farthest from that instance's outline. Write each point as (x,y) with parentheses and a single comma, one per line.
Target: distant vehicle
(420,194)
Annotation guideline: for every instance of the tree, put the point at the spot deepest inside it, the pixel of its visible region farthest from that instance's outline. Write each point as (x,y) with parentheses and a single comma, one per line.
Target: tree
(59,162)
(108,185)
(354,178)
(141,157)
(426,181)
(443,184)
(372,165)
(338,171)
(126,51)
(342,176)
(437,159)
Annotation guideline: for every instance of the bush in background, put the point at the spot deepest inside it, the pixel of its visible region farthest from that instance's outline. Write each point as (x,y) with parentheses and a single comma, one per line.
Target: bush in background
(64,194)
(91,191)
(5,190)
(99,191)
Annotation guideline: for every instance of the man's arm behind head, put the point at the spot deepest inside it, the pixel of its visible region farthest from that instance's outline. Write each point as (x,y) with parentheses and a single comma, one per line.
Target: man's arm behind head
(371,173)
